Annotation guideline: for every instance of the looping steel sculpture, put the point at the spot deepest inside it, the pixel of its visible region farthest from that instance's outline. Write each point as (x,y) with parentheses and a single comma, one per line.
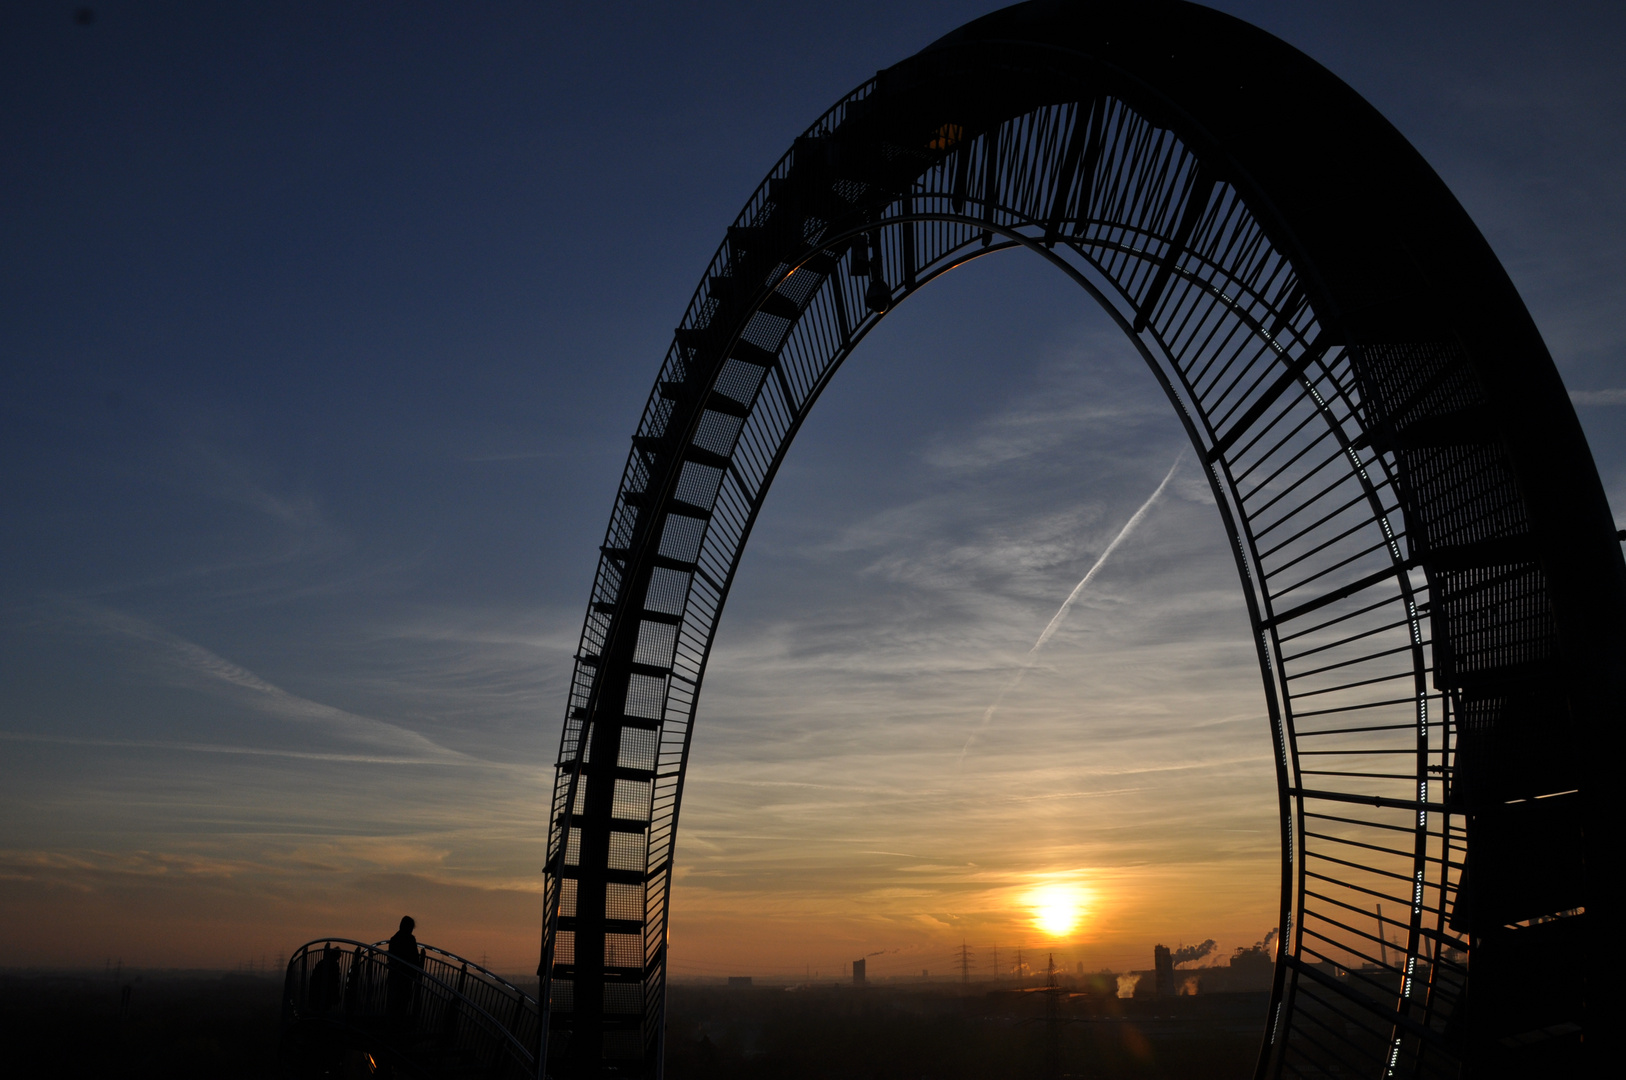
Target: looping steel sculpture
(1430,568)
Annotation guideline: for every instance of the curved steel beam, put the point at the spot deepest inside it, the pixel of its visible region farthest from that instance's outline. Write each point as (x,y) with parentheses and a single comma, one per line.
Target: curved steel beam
(1429,566)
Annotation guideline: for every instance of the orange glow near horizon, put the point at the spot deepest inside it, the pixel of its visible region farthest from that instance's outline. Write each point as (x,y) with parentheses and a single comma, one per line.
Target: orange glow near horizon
(1058,909)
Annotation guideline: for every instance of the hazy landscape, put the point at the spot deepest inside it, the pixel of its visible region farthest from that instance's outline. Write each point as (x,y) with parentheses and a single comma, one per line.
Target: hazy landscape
(212,1024)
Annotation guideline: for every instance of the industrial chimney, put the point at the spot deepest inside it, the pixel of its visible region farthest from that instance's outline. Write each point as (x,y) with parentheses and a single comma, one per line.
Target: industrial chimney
(1163,963)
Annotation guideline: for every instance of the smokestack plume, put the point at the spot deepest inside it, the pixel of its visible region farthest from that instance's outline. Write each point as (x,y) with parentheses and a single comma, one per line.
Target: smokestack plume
(1189,953)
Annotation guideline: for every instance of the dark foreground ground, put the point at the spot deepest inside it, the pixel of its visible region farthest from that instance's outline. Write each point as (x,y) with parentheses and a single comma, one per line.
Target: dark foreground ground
(846,1034)
(181,1025)
(176,1025)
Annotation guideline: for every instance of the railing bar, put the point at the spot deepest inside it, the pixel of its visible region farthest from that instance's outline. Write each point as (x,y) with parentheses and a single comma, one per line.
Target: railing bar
(1309,854)
(1311,913)
(1342,1036)
(1360,973)
(1358,1020)
(1353,708)
(1309,892)
(1362,889)
(1340,903)
(1408,830)
(1239,452)
(1325,544)
(1193,349)
(1392,599)
(1360,844)
(1339,565)
(1209,397)
(1409,673)
(1277,361)
(1360,497)
(1358,775)
(1369,800)
(1309,1066)
(1337,454)
(1407,647)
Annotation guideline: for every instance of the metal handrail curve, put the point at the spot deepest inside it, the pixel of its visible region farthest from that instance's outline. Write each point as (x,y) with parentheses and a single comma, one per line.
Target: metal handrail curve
(500,1038)
(463,962)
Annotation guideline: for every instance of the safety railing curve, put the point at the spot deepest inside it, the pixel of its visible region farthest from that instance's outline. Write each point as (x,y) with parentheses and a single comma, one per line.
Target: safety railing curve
(444,1016)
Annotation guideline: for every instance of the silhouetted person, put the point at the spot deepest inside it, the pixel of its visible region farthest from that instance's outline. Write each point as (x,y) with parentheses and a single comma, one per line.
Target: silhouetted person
(405,967)
(324,992)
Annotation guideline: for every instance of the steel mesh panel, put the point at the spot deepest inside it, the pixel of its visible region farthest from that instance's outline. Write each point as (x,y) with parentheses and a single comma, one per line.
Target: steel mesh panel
(627,851)
(623,950)
(638,749)
(624,998)
(623,901)
(632,799)
(699,484)
(646,696)
(656,643)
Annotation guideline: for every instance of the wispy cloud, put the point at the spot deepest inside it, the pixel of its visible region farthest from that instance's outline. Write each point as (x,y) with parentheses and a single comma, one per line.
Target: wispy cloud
(194,666)
(221,748)
(1025,433)
(1061,612)
(232,480)
(1084,391)
(1129,527)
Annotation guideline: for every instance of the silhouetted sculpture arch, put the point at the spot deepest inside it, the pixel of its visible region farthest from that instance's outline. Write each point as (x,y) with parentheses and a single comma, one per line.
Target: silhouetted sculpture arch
(1428,560)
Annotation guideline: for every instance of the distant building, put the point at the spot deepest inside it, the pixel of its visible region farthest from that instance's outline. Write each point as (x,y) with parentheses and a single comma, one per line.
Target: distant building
(739,982)
(1163,965)
(1250,969)
(1253,968)
(858,973)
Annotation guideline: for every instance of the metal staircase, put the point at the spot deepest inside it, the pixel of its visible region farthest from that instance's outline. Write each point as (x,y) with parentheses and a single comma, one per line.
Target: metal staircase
(345,1000)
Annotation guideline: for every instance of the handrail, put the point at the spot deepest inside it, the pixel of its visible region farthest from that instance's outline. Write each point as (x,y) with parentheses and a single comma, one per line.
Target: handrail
(441,1010)
(522,1011)
(305,950)
(463,962)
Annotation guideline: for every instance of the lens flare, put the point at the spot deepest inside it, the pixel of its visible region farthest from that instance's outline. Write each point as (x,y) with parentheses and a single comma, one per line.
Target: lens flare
(1057,909)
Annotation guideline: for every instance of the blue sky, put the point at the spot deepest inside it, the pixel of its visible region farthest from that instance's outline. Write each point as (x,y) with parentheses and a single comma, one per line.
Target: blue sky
(323,330)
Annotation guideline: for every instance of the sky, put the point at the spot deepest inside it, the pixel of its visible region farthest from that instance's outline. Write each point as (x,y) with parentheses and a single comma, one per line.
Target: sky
(323,330)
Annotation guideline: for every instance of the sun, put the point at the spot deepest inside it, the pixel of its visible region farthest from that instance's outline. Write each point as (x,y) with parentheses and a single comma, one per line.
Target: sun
(1057,909)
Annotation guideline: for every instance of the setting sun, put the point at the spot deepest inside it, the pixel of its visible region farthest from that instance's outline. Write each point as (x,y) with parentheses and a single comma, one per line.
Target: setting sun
(1057,909)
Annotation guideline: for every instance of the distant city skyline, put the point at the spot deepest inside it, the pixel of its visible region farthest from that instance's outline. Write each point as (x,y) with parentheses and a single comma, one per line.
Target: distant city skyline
(324,333)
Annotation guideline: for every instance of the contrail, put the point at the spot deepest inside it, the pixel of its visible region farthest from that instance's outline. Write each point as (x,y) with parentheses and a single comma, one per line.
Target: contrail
(1078,590)
(1129,527)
